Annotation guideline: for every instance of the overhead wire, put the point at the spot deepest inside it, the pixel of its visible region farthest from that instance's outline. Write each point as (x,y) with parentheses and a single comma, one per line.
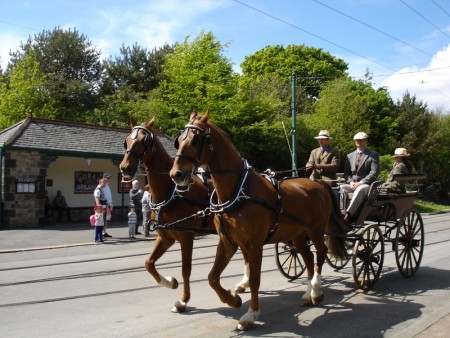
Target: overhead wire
(373,28)
(334,44)
(440,7)
(423,17)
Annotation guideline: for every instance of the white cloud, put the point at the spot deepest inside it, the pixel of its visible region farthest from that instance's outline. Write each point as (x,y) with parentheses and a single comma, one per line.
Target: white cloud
(9,43)
(154,23)
(430,84)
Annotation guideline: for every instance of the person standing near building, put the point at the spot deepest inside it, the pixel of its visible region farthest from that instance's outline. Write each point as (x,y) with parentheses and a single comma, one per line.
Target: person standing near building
(109,201)
(132,221)
(98,215)
(100,199)
(135,199)
(146,210)
(324,161)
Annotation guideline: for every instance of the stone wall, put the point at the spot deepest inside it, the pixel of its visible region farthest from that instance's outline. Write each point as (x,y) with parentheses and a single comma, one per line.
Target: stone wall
(25,209)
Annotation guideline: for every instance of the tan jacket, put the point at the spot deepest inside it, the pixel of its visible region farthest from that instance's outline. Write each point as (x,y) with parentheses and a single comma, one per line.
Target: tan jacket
(330,159)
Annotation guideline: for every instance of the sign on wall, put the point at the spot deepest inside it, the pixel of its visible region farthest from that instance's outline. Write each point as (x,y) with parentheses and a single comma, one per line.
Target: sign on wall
(86,181)
(26,185)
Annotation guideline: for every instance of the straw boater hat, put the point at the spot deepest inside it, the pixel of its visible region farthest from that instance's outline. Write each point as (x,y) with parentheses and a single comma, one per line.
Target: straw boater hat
(400,152)
(323,134)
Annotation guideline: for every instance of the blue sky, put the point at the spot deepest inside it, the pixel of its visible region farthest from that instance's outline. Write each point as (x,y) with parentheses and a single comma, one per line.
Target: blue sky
(405,44)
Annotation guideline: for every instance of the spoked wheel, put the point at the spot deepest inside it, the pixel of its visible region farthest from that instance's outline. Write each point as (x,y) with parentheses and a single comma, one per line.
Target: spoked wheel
(368,256)
(409,242)
(289,261)
(337,263)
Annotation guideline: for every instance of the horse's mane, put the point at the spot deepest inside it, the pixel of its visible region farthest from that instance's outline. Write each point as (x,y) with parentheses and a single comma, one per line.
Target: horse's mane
(224,134)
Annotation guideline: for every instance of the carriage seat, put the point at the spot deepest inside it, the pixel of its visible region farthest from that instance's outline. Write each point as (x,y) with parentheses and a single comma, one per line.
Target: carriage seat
(410,189)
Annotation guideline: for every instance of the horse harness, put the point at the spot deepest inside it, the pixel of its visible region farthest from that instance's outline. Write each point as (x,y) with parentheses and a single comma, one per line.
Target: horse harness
(156,208)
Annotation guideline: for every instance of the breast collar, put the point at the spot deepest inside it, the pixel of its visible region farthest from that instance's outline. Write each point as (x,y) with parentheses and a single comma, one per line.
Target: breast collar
(239,196)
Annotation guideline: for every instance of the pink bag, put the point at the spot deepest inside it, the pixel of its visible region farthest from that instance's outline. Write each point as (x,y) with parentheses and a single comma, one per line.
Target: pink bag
(92,220)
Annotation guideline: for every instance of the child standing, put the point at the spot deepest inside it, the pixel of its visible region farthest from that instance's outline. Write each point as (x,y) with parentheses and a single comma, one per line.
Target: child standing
(99,222)
(132,221)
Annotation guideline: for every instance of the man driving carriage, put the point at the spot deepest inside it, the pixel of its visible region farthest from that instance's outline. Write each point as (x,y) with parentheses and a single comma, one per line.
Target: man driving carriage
(361,169)
(324,161)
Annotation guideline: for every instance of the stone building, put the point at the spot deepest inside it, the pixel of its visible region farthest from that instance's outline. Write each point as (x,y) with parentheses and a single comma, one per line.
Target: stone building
(38,155)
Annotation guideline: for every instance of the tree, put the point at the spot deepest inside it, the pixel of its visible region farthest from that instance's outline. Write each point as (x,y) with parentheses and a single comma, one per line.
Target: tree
(198,76)
(72,70)
(313,66)
(346,107)
(25,94)
(136,68)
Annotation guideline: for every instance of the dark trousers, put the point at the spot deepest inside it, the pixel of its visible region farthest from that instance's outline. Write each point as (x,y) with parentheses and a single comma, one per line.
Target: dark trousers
(99,233)
(60,211)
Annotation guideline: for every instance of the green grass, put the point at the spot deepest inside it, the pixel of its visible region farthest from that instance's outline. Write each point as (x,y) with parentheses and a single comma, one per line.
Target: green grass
(425,207)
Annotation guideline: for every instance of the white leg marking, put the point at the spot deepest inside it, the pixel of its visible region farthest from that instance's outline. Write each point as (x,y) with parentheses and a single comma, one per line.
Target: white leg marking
(316,292)
(244,283)
(306,299)
(247,320)
(179,306)
(167,282)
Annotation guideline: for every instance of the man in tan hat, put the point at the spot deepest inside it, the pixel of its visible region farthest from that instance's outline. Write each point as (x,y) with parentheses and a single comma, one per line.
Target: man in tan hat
(325,160)
(361,169)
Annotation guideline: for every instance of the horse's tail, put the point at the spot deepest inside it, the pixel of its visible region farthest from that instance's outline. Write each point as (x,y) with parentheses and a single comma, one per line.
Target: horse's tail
(337,229)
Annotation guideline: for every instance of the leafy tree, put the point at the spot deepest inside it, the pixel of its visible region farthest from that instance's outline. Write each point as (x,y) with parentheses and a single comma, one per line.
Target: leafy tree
(312,66)
(413,125)
(136,68)
(198,76)
(25,94)
(72,68)
(346,107)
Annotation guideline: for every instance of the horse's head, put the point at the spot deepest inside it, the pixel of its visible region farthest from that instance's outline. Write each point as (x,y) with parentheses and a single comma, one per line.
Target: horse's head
(193,149)
(137,146)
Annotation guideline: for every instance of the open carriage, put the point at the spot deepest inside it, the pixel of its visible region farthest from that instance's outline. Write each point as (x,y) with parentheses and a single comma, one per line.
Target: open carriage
(384,217)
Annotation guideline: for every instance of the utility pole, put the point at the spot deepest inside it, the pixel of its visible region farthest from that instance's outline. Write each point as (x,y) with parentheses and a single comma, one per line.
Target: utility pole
(294,124)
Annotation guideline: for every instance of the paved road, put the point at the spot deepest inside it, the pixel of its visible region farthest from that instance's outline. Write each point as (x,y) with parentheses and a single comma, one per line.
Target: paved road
(54,282)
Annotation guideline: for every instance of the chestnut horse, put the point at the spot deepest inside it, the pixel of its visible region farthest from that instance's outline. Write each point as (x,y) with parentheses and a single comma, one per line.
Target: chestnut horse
(168,206)
(258,212)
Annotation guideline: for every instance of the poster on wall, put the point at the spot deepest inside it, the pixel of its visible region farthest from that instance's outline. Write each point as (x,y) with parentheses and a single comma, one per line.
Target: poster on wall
(86,181)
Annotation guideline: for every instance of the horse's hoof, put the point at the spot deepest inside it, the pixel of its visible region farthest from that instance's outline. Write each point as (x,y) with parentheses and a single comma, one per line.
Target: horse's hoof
(236,301)
(306,302)
(244,326)
(179,307)
(174,284)
(317,300)
(239,289)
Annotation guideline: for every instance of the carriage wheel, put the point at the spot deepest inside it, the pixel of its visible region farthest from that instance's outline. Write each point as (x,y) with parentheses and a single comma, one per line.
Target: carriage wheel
(337,263)
(409,242)
(289,261)
(387,214)
(368,255)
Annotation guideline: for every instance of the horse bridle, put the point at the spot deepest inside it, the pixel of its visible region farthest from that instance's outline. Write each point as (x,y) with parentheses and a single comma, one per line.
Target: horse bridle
(201,135)
(148,141)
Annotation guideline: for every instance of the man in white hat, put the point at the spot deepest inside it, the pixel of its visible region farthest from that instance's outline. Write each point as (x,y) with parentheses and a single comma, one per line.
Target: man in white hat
(325,160)
(361,169)
(402,166)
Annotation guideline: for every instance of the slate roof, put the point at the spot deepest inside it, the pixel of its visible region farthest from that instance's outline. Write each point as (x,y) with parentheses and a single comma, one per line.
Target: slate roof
(69,137)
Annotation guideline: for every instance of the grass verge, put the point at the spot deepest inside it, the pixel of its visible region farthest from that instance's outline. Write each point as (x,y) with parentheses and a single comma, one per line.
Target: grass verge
(426,207)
